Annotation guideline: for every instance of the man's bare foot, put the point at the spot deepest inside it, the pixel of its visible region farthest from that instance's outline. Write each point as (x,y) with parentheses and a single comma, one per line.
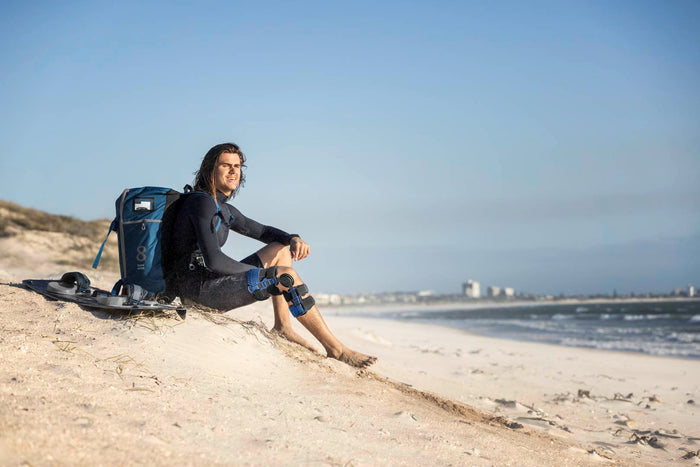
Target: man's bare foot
(292,336)
(356,359)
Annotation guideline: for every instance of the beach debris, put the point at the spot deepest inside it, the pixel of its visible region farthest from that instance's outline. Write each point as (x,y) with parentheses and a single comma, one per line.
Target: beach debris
(563,397)
(406,415)
(584,393)
(534,420)
(532,410)
(605,453)
(653,398)
(646,440)
(543,421)
(691,454)
(691,401)
(621,397)
(507,403)
(629,423)
(507,423)
(65,346)
(667,434)
(321,418)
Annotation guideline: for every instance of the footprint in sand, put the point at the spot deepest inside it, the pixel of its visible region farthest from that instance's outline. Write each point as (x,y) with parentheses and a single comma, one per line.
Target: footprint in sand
(372,337)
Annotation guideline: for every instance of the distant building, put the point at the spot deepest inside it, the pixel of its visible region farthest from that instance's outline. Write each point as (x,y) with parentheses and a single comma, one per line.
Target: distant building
(493,291)
(327,299)
(471,289)
(508,292)
(425,293)
(688,291)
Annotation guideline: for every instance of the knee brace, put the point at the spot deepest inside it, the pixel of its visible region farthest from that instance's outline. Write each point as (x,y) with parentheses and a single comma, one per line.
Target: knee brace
(263,282)
(299,305)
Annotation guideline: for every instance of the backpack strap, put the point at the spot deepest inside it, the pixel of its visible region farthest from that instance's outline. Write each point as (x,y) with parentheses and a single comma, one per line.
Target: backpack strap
(219,215)
(113,226)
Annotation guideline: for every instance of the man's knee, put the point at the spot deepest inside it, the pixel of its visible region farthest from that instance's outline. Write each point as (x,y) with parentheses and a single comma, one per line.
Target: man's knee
(295,292)
(265,281)
(283,256)
(289,271)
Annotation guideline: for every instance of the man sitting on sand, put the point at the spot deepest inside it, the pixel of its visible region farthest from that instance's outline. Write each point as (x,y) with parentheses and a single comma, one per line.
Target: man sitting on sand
(201,272)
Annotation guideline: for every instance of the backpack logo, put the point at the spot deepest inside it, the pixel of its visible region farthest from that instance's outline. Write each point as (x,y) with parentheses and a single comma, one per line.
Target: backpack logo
(143,204)
(141,257)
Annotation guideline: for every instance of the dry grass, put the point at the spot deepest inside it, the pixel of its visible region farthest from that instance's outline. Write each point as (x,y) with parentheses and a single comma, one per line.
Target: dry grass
(156,321)
(19,217)
(217,317)
(37,239)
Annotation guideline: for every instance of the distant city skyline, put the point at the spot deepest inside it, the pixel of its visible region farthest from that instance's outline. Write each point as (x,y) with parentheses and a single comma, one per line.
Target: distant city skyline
(552,147)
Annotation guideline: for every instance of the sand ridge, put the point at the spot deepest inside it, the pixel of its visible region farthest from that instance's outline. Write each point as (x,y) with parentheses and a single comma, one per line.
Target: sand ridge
(81,387)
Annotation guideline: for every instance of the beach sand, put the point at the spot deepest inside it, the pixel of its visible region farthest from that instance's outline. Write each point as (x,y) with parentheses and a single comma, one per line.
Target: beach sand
(80,387)
(620,404)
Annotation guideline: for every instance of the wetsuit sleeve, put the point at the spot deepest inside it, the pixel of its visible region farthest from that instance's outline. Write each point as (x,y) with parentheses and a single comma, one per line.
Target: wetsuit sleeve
(253,229)
(202,213)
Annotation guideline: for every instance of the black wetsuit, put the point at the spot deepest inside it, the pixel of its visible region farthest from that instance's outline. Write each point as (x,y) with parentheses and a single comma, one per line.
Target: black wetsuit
(196,268)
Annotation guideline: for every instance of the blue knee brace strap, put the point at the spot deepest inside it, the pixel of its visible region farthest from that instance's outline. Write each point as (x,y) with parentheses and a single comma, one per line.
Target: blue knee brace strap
(263,282)
(299,305)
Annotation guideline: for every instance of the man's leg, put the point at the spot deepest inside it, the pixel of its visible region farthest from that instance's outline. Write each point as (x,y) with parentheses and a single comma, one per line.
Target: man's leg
(276,254)
(312,320)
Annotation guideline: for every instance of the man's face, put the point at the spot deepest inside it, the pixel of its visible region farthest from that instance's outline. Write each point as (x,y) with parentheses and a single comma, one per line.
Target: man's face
(227,173)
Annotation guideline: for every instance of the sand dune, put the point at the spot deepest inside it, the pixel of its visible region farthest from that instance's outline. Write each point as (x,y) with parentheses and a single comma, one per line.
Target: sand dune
(79,387)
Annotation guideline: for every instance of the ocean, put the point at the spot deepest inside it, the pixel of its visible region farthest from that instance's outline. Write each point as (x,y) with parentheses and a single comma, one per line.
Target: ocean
(665,328)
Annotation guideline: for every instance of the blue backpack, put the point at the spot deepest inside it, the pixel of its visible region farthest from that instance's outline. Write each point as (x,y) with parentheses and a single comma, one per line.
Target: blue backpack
(143,224)
(139,227)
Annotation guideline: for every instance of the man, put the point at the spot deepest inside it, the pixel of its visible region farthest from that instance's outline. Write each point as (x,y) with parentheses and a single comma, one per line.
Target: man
(201,272)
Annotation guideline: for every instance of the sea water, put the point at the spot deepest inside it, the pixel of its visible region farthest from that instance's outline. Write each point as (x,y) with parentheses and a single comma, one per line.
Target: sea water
(668,328)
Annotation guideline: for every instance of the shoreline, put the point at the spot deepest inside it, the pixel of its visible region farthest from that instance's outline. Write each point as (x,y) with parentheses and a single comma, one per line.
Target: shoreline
(555,346)
(387,307)
(604,399)
(397,313)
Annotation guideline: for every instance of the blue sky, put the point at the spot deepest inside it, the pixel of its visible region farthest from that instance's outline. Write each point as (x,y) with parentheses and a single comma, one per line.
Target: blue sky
(548,146)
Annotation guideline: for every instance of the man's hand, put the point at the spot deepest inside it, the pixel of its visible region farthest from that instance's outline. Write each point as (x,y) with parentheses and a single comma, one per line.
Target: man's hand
(299,248)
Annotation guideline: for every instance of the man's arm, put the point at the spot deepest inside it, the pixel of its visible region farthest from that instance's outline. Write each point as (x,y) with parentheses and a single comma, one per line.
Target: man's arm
(267,234)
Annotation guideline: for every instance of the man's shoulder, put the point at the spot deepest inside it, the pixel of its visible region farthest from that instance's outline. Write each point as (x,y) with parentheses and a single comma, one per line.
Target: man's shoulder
(200,201)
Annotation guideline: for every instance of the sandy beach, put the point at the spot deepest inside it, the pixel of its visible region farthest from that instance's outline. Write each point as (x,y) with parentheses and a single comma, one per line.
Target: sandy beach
(81,387)
(624,404)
